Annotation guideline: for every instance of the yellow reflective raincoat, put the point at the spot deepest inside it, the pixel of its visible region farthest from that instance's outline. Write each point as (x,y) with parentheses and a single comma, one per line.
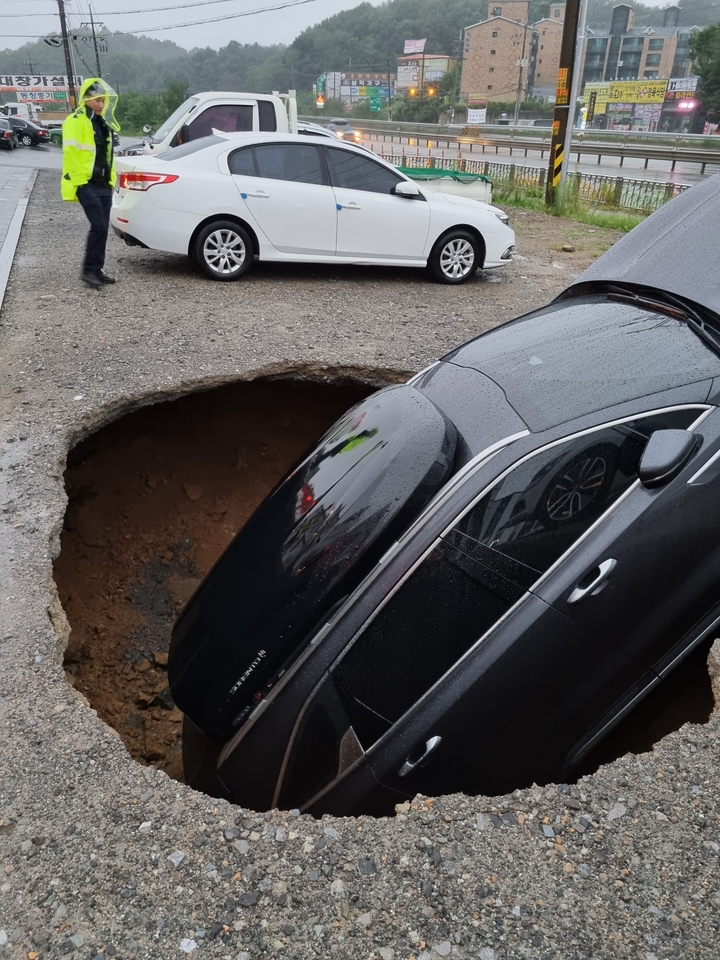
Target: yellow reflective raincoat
(79,139)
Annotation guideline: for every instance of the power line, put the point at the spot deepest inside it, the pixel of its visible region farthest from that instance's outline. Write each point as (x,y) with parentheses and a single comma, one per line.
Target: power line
(177,6)
(189,23)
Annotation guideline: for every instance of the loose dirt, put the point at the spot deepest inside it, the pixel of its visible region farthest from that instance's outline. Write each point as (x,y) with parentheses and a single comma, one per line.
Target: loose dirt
(154,499)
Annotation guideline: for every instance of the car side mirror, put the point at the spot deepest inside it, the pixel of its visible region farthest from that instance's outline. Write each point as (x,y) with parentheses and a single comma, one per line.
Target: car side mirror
(147,129)
(665,455)
(184,134)
(406,189)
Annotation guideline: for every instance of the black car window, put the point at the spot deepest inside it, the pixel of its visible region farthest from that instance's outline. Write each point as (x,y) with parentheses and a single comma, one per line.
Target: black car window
(447,604)
(539,509)
(242,162)
(478,570)
(353,172)
(268,118)
(297,162)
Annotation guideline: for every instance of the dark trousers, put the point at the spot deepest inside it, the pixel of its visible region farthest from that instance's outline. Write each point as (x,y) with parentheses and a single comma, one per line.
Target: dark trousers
(96,201)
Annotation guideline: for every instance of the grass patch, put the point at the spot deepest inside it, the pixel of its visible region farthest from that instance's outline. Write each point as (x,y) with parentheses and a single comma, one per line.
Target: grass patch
(569,207)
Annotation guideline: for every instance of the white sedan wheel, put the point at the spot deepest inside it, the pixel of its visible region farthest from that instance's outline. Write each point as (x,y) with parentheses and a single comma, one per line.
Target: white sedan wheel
(223,250)
(454,258)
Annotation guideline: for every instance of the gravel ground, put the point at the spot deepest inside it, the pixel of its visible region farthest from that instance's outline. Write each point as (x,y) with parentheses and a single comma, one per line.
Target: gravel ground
(102,856)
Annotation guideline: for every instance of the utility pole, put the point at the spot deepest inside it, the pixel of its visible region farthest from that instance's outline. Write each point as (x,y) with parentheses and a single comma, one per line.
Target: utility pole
(518,95)
(95,43)
(575,87)
(562,100)
(389,91)
(68,62)
(29,63)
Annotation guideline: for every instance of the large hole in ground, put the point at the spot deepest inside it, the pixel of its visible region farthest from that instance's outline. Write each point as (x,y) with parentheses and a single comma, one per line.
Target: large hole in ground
(156,496)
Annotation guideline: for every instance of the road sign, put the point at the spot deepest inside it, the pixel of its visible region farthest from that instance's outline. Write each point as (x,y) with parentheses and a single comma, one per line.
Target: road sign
(375,104)
(320,101)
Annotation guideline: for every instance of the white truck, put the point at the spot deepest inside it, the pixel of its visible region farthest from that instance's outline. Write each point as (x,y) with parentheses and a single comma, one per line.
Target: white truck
(202,113)
(27,111)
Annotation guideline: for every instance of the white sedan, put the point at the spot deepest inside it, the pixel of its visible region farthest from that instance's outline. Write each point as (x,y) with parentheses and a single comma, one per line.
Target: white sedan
(229,198)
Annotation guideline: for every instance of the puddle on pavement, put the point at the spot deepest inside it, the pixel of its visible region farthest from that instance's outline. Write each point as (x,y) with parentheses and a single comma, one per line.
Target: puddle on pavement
(155,498)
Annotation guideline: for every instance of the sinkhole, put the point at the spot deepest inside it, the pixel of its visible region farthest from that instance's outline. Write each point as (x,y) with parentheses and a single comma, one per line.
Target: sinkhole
(154,499)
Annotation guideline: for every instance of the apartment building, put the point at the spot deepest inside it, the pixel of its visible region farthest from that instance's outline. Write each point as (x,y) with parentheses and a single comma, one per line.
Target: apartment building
(506,58)
(626,52)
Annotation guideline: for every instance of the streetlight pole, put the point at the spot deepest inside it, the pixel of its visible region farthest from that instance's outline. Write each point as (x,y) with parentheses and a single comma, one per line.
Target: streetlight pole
(518,95)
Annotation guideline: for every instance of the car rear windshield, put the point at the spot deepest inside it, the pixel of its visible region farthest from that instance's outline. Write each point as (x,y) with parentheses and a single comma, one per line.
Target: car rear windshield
(187,148)
(576,357)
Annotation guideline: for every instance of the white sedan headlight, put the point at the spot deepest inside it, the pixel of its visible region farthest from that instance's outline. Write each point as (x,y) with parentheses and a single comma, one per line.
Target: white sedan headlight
(502,217)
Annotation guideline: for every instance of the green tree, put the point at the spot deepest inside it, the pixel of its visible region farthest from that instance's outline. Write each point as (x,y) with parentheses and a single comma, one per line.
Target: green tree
(705,52)
(174,94)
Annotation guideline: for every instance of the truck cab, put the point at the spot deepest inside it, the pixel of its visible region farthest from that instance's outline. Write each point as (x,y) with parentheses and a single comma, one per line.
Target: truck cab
(231,112)
(26,111)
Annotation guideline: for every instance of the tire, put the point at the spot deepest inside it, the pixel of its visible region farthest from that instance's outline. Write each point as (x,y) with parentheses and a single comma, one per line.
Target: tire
(200,754)
(223,250)
(26,140)
(455,257)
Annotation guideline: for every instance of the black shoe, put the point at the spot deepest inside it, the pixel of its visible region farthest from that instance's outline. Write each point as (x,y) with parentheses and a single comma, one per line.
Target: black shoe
(104,278)
(91,280)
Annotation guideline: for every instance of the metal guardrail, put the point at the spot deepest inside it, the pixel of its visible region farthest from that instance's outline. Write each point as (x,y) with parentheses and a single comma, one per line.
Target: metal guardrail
(618,193)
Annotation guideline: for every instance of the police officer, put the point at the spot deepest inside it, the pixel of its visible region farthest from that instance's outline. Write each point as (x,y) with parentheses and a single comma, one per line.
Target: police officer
(88,171)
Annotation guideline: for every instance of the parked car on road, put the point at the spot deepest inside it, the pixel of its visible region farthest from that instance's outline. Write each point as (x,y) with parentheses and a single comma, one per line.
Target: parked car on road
(343,129)
(29,133)
(227,199)
(472,577)
(8,135)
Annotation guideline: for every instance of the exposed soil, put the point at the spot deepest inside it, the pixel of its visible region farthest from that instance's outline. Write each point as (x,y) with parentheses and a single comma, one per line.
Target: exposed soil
(154,499)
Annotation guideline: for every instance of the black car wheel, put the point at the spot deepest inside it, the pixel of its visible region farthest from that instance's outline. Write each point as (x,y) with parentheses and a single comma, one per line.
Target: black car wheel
(26,140)
(454,258)
(223,250)
(579,485)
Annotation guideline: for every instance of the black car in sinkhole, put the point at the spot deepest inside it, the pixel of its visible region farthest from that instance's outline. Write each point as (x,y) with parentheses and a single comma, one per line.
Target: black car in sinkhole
(474,576)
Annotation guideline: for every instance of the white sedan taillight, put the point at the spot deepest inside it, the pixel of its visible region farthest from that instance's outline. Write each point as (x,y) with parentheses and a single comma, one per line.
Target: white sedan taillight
(143,181)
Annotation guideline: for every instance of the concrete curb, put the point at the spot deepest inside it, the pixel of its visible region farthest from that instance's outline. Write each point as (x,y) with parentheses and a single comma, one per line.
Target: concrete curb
(7,251)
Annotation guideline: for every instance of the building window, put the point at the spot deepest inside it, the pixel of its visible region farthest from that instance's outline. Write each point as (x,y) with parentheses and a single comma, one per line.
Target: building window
(557,13)
(652,60)
(540,61)
(656,44)
(542,46)
(650,75)
(494,33)
(496,11)
(492,53)
(489,86)
(491,70)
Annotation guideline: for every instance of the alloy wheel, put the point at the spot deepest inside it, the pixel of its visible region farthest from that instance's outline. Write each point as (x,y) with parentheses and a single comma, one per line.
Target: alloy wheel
(224,252)
(457,258)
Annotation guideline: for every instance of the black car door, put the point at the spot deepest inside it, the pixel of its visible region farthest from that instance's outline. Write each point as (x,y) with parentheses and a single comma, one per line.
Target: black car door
(646,579)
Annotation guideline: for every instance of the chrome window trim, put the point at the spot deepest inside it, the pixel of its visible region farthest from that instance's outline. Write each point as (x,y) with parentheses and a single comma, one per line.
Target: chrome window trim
(704,467)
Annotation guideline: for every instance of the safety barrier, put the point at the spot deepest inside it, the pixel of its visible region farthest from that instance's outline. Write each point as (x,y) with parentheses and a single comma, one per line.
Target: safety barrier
(619,193)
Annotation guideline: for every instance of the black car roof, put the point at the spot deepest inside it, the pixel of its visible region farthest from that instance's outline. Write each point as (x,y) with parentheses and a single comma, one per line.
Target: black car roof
(676,250)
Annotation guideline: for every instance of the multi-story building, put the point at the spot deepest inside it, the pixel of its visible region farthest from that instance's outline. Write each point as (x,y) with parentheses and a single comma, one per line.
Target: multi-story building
(506,58)
(421,70)
(625,52)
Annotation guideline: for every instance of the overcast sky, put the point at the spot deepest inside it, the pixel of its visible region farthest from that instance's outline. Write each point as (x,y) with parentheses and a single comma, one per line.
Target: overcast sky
(278,26)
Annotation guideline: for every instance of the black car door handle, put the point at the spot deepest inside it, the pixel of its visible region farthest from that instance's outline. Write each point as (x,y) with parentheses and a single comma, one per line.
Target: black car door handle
(592,581)
(410,764)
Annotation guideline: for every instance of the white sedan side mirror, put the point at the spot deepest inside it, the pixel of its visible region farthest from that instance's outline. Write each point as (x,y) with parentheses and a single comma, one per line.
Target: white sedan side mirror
(406,189)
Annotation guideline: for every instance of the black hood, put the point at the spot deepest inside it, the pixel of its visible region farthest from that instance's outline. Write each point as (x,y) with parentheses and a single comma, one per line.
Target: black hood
(675,249)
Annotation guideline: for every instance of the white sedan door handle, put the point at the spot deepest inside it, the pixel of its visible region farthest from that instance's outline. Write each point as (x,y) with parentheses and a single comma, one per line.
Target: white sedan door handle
(351,206)
(260,194)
